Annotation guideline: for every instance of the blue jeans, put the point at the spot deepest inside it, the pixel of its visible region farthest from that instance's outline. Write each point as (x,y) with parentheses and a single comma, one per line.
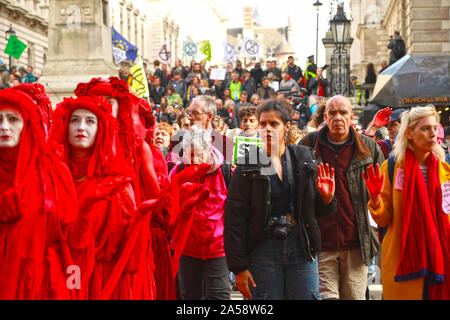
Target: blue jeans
(281,271)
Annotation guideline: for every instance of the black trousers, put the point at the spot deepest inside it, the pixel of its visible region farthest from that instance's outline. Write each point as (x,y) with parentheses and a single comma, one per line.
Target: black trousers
(198,279)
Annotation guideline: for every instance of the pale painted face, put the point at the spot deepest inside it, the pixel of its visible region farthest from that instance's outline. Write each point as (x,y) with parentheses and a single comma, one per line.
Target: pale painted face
(83,127)
(115,105)
(11,126)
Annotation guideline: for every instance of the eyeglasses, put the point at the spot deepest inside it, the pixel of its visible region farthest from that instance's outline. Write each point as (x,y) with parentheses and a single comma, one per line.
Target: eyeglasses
(194,114)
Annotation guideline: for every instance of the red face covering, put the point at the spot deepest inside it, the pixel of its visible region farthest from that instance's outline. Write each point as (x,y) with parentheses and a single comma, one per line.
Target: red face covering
(38,193)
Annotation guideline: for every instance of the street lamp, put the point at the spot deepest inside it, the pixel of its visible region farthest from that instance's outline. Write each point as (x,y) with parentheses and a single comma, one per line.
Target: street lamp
(340,26)
(340,59)
(317,4)
(8,34)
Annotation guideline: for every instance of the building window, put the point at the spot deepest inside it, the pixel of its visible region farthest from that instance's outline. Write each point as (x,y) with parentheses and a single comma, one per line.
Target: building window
(30,55)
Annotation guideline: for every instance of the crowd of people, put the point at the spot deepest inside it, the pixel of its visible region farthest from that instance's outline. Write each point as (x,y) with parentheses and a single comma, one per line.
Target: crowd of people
(111,196)
(15,76)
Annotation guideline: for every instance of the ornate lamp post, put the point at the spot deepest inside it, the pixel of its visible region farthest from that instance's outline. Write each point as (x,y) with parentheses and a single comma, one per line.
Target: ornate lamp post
(7,35)
(317,4)
(340,59)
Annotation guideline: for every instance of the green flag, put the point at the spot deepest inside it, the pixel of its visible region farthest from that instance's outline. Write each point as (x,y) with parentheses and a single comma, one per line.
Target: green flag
(15,47)
(206,50)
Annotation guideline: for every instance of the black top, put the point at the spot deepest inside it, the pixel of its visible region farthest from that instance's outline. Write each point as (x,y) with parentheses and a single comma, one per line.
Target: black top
(280,197)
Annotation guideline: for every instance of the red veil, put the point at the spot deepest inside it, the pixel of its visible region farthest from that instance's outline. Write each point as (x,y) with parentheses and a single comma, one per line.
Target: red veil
(108,239)
(131,132)
(38,202)
(37,92)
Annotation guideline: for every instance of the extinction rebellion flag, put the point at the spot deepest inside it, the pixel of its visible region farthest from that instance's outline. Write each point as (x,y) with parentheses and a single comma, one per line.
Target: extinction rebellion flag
(15,47)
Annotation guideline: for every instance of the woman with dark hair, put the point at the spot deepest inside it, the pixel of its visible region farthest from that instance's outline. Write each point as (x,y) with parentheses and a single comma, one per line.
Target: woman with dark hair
(371,78)
(274,201)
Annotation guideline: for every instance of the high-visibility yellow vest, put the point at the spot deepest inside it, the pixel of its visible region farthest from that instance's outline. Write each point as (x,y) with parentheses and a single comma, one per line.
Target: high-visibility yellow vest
(235,90)
(358,92)
(309,74)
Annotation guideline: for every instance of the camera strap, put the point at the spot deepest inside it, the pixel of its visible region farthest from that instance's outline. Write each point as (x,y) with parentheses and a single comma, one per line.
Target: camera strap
(290,175)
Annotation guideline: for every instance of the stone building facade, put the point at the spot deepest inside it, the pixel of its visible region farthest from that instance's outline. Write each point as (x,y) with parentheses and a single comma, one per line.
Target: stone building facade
(29,20)
(423,24)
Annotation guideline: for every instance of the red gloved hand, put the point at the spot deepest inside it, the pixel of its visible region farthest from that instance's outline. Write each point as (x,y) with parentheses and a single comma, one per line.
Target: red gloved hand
(325,182)
(192,173)
(382,117)
(157,204)
(103,190)
(192,194)
(374,182)
(195,200)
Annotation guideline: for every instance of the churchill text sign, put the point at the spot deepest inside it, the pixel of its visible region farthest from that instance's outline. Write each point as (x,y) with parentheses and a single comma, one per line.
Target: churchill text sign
(420,100)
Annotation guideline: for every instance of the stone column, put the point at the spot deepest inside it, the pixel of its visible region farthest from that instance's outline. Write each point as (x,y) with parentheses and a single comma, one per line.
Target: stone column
(79,46)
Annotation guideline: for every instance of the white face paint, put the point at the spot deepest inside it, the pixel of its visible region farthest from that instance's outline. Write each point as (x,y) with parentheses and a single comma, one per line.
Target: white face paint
(83,126)
(11,126)
(115,105)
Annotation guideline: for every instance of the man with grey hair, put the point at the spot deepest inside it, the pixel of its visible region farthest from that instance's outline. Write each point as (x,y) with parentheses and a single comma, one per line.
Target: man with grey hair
(349,243)
(201,112)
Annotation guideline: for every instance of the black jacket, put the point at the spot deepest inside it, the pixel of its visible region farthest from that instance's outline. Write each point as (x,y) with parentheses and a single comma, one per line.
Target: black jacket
(247,208)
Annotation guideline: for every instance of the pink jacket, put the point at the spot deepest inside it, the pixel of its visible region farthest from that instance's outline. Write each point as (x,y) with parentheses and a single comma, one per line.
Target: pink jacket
(206,235)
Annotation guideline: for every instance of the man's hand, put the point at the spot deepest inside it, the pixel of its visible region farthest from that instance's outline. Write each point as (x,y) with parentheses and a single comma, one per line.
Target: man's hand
(325,183)
(242,280)
(374,182)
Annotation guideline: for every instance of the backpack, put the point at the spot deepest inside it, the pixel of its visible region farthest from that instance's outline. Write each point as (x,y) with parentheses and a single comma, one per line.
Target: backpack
(399,48)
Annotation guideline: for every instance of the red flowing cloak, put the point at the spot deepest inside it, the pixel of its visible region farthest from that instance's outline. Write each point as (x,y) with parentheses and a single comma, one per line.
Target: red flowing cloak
(38,204)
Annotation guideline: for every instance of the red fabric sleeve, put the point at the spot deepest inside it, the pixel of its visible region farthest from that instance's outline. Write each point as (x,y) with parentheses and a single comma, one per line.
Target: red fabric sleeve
(10,207)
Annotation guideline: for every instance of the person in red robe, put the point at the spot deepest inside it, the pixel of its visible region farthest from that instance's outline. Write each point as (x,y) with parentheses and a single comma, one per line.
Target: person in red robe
(149,166)
(38,205)
(108,241)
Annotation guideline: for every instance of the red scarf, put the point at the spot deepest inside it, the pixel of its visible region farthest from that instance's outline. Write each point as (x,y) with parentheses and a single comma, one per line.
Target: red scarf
(79,167)
(425,247)
(320,90)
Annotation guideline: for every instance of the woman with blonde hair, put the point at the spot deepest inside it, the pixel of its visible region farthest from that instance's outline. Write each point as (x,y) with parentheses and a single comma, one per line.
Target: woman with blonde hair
(410,195)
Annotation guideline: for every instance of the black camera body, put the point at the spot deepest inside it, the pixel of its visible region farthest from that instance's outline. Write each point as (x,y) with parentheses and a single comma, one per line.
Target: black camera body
(278,227)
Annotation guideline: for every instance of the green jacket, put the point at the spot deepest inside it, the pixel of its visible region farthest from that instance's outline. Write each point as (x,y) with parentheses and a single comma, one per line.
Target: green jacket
(175,99)
(367,153)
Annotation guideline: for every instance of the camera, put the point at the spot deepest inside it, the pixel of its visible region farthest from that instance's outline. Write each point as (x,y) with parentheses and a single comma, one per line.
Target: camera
(279,227)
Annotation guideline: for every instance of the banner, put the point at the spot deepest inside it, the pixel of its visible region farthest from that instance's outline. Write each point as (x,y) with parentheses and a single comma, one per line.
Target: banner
(217,74)
(15,47)
(230,53)
(189,49)
(119,55)
(250,47)
(120,42)
(164,53)
(242,145)
(139,84)
(206,50)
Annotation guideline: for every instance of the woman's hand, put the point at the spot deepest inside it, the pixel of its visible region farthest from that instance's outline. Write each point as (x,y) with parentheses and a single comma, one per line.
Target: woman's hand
(374,182)
(325,182)
(157,204)
(191,194)
(242,280)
